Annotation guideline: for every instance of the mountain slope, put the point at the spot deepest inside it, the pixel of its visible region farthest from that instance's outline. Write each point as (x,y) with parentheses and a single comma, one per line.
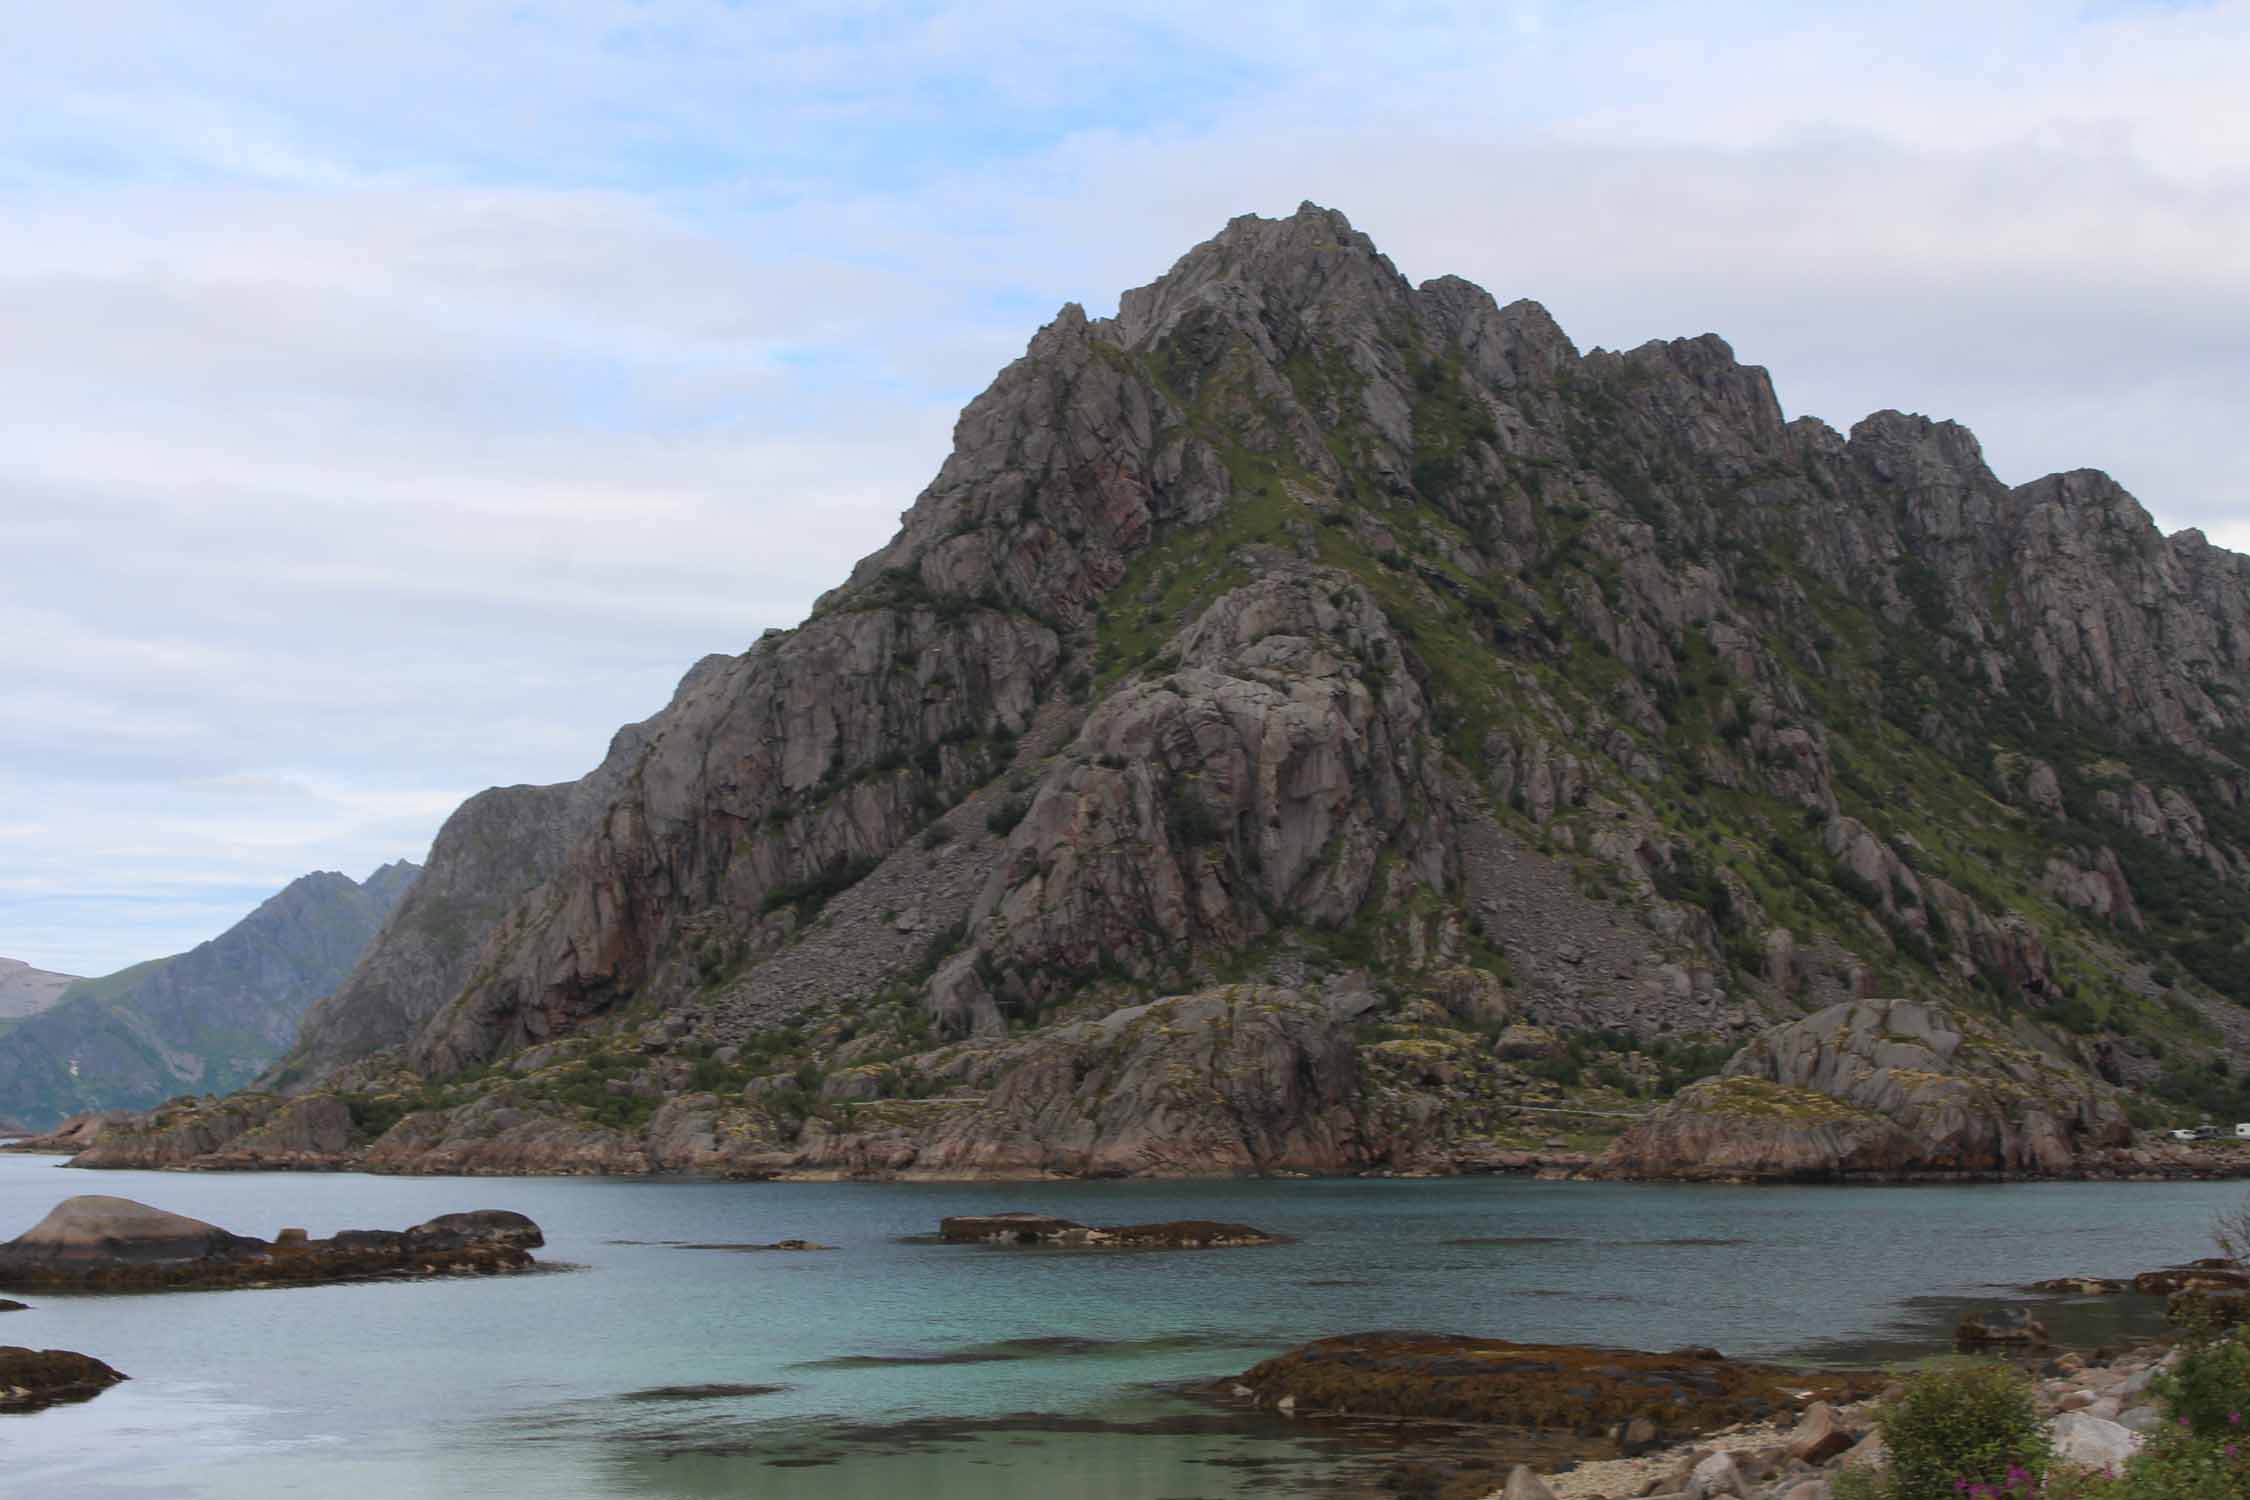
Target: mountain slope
(26,991)
(1528,727)
(206,1020)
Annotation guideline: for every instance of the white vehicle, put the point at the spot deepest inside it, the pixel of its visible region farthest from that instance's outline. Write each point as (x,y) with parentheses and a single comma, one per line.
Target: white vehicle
(2184,1135)
(2242,1131)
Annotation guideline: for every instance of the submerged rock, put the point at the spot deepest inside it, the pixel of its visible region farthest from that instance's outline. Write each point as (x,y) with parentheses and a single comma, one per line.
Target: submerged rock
(1044,1229)
(1567,1387)
(2007,1327)
(97,1243)
(776,1245)
(35,1378)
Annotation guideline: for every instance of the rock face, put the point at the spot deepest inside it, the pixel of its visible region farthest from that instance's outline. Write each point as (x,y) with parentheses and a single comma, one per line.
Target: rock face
(34,1378)
(96,1243)
(1326,674)
(208,1020)
(1879,1088)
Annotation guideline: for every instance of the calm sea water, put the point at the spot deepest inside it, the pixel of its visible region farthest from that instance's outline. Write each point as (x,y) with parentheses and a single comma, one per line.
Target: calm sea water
(917,1371)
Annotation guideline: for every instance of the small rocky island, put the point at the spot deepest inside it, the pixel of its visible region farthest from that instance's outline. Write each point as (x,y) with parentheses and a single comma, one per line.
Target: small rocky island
(95,1243)
(1045,1229)
(31,1379)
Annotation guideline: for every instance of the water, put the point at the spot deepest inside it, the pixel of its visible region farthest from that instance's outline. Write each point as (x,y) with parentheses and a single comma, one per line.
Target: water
(946,1371)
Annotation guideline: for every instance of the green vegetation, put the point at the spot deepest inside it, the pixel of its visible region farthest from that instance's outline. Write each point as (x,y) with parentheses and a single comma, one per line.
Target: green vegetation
(1966,1420)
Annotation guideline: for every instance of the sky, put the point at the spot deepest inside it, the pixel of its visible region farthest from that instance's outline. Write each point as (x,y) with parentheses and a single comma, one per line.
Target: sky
(396,399)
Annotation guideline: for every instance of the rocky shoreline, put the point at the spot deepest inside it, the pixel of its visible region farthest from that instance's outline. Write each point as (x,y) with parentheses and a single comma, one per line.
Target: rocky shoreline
(1687,1425)
(1276,1083)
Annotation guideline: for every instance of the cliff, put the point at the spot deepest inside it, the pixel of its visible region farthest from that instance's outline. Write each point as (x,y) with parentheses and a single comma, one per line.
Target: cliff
(1268,657)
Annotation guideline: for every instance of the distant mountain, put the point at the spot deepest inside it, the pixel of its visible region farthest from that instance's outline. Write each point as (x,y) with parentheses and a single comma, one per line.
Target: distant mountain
(208,1020)
(25,991)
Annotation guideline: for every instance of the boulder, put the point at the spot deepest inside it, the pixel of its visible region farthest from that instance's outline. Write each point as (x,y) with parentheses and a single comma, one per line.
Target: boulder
(484,1226)
(1820,1435)
(1869,1454)
(1523,1484)
(96,1229)
(35,1378)
(2091,1442)
(2143,1419)
(1716,1476)
(1637,1436)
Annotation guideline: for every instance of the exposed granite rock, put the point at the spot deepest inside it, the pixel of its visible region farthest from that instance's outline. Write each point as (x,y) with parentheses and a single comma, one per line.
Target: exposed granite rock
(1879,1088)
(96,1243)
(95,1230)
(31,1379)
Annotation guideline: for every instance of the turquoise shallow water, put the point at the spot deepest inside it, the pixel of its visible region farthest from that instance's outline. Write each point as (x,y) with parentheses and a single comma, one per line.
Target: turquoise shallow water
(945,1371)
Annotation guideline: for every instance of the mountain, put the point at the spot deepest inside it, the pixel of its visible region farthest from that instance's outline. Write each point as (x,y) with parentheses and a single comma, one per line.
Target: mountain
(1315,721)
(26,991)
(206,1020)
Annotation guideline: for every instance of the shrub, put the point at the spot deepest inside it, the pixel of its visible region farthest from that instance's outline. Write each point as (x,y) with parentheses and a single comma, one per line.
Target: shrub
(1189,823)
(1003,819)
(2176,1465)
(1971,1421)
(2208,1391)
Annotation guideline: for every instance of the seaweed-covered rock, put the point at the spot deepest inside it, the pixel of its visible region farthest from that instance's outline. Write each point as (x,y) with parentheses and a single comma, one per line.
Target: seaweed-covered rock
(1574,1388)
(35,1378)
(1879,1088)
(96,1243)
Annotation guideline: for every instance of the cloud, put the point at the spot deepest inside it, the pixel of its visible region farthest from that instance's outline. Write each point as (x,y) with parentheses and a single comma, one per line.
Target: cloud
(401,400)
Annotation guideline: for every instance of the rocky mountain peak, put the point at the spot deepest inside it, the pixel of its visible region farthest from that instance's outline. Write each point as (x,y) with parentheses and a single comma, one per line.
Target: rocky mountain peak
(1272,275)
(1354,685)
